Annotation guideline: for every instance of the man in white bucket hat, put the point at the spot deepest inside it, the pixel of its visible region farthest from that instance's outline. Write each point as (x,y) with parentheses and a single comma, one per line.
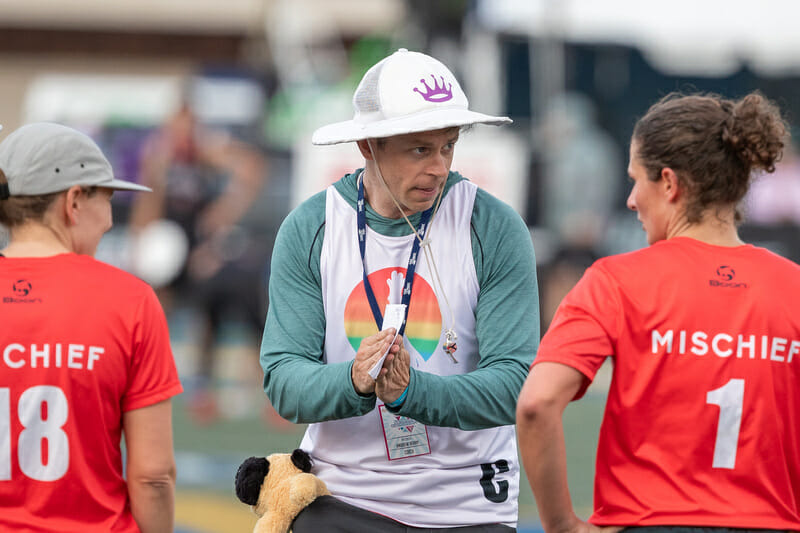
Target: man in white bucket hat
(86,357)
(403,318)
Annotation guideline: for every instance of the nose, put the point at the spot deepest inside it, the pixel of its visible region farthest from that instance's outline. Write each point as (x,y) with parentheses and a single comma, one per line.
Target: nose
(439,165)
(631,202)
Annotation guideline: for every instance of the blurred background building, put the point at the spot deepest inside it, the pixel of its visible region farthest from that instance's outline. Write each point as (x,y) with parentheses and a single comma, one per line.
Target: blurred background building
(258,76)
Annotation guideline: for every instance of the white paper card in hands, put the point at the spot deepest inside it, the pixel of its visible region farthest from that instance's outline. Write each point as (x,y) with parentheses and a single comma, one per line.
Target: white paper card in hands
(393,317)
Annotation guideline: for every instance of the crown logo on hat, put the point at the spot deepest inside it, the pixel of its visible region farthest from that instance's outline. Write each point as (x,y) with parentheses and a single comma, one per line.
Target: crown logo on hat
(438,93)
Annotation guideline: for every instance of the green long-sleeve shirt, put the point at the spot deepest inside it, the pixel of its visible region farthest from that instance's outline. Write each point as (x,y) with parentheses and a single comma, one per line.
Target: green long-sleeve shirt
(304,389)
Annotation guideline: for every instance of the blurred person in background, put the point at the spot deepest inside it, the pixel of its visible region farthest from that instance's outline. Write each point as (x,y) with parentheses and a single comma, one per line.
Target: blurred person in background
(425,438)
(772,207)
(86,352)
(578,156)
(774,199)
(204,182)
(702,424)
(559,276)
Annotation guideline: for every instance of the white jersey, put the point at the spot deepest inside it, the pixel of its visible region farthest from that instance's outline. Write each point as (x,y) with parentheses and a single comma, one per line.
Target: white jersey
(452,477)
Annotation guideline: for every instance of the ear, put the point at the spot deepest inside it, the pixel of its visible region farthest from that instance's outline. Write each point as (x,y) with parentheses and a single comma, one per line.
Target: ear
(249,478)
(670,184)
(363,147)
(72,204)
(301,460)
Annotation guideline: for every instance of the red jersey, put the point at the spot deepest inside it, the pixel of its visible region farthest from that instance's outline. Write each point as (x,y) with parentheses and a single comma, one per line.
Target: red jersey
(702,422)
(81,342)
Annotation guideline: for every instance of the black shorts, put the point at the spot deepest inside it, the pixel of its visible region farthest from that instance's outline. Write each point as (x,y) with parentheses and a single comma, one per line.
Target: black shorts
(327,514)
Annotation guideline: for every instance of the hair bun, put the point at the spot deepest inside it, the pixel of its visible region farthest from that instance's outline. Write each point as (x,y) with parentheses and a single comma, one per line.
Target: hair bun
(755,131)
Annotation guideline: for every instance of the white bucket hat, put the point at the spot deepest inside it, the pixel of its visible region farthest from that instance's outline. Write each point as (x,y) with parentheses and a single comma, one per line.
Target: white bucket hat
(406,92)
(43,158)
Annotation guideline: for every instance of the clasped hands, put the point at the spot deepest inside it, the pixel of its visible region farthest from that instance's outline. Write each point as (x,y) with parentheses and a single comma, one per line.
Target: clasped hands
(393,378)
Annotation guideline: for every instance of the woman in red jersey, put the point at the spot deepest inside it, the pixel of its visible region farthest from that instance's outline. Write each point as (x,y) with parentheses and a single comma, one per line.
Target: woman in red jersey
(702,424)
(84,352)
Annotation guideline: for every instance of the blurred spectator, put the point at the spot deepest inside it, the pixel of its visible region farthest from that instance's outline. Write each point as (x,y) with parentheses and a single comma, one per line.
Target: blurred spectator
(558,278)
(190,242)
(582,173)
(774,199)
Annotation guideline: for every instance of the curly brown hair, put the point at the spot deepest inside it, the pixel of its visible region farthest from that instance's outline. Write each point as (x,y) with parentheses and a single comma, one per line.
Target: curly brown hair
(713,144)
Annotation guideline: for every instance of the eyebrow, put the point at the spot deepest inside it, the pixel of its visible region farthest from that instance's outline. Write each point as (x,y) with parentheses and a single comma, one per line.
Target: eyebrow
(422,140)
(419,141)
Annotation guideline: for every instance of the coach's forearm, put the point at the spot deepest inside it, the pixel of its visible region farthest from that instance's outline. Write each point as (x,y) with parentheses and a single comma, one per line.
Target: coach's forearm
(483,398)
(153,503)
(288,379)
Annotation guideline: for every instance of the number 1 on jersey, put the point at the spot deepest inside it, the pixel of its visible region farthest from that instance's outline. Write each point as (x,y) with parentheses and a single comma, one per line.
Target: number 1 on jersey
(729,398)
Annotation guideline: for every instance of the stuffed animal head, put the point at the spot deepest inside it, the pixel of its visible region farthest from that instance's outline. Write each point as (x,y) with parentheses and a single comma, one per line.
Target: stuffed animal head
(257,471)
(278,487)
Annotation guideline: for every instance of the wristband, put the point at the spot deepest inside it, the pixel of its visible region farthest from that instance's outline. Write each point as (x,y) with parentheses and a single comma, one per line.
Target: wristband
(399,401)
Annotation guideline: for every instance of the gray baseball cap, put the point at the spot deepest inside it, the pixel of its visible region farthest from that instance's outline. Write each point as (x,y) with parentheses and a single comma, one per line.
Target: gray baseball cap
(44,157)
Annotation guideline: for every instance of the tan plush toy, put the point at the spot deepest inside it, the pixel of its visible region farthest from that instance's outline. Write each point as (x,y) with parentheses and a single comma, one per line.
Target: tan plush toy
(278,487)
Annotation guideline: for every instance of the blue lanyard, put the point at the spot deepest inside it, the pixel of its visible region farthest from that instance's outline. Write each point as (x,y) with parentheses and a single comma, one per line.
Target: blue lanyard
(412,259)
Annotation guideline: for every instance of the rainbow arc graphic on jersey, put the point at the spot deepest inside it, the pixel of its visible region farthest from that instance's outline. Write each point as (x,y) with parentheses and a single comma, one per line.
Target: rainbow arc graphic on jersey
(424,323)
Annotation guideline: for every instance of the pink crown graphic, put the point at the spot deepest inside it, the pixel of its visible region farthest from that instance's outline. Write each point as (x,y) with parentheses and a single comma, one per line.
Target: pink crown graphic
(439,93)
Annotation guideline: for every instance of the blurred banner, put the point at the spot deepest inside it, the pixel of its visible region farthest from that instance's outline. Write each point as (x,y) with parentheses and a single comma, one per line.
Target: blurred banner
(708,37)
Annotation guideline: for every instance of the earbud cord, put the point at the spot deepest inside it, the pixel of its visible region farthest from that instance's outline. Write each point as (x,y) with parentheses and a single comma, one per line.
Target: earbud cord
(450,333)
